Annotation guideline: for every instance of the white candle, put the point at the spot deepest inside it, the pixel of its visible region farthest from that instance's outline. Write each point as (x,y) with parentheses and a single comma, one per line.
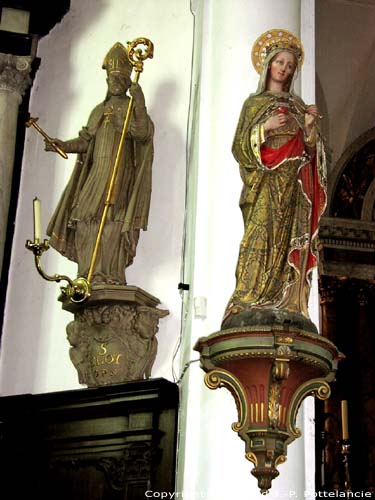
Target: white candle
(344,420)
(37,221)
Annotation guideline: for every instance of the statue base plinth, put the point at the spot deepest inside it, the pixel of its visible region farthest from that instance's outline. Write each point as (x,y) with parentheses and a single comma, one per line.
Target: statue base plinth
(269,319)
(269,369)
(113,334)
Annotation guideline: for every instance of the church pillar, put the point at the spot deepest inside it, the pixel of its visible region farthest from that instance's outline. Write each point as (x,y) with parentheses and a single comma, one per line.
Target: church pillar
(14,80)
(222,79)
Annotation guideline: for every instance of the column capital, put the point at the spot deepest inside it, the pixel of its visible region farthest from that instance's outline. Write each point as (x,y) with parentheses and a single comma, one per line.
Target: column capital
(15,73)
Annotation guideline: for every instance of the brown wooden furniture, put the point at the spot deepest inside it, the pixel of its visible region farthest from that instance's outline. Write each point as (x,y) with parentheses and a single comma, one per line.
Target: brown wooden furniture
(113,442)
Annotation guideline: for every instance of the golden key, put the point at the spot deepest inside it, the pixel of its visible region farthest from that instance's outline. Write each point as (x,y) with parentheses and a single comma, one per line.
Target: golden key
(31,122)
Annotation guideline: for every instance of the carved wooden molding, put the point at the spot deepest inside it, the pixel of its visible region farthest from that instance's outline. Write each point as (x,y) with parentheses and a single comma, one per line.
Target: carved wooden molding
(347,233)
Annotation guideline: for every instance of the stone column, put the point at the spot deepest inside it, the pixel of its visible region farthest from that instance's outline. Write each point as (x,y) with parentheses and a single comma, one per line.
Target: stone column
(14,80)
(222,79)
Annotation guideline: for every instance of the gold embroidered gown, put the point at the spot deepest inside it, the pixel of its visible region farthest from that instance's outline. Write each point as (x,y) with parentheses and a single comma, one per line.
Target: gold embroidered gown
(283,197)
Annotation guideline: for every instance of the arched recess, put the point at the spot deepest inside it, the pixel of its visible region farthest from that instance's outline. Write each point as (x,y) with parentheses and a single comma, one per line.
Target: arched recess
(368,207)
(351,192)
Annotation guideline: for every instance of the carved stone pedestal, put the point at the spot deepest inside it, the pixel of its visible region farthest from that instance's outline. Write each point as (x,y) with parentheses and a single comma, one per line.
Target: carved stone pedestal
(269,369)
(113,334)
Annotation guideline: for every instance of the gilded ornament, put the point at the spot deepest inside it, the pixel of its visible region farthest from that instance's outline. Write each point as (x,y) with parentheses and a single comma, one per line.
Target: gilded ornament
(284,340)
(252,458)
(271,39)
(280,369)
(273,404)
(280,460)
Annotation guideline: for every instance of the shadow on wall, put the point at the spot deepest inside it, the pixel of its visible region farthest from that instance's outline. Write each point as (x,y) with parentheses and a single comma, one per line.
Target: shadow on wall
(168,184)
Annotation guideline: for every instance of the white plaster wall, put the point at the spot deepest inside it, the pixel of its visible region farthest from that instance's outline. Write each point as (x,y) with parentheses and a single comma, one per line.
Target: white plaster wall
(69,83)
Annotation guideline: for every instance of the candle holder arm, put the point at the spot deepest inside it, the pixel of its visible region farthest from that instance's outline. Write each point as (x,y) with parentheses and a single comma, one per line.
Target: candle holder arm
(77,290)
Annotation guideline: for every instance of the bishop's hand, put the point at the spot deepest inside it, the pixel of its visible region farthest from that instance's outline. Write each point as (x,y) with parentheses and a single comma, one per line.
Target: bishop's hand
(49,145)
(136,92)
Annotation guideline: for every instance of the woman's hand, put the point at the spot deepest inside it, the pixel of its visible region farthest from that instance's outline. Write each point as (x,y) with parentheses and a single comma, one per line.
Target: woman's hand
(276,121)
(312,113)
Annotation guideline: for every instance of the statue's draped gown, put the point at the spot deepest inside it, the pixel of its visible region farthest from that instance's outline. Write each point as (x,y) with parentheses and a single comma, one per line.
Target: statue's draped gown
(283,197)
(75,223)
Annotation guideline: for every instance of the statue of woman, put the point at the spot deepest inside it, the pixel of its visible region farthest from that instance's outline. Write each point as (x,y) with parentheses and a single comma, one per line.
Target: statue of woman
(282,164)
(74,226)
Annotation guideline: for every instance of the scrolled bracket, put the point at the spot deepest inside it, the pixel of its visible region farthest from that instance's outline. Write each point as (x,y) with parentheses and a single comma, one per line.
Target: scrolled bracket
(280,460)
(316,387)
(222,378)
(252,458)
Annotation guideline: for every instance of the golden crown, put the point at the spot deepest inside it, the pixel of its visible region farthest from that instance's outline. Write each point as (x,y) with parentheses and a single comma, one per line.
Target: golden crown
(272,39)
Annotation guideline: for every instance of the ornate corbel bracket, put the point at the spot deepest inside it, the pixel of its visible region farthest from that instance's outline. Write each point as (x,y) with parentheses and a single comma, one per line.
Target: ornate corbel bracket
(269,372)
(316,387)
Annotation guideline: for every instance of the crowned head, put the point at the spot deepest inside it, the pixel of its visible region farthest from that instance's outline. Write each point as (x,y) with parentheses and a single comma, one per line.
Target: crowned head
(273,41)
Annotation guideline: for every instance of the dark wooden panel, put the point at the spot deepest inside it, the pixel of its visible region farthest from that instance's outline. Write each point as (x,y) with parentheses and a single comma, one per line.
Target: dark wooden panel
(109,443)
